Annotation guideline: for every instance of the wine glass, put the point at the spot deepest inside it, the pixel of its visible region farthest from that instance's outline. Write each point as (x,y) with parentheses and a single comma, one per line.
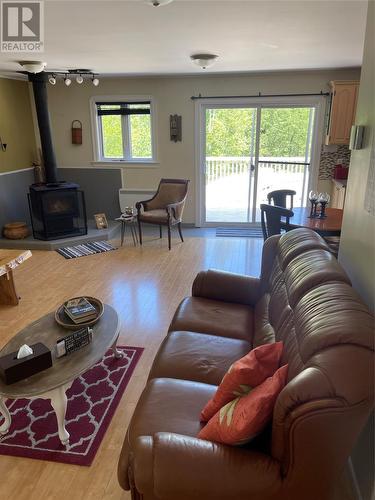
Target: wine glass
(323,199)
(313,197)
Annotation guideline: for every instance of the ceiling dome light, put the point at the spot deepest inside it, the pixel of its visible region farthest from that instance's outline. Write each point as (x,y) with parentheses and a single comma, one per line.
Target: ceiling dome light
(95,82)
(67,81)
(33,66)
(203,60)
(79,79)
(158,3)
(52,80)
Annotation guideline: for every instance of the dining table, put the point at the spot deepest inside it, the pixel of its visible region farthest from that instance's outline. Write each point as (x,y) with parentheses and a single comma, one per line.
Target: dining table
(328,226)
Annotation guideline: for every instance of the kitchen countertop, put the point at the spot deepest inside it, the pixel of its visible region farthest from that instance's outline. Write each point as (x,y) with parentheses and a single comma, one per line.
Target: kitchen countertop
(340,182)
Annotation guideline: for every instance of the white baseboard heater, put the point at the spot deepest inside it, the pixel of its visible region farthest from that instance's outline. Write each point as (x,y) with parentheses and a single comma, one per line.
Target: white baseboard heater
(129,197)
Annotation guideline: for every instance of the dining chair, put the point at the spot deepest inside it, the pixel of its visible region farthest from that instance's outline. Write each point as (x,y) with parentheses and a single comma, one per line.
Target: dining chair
(165,208)
(279,196)
(270,216)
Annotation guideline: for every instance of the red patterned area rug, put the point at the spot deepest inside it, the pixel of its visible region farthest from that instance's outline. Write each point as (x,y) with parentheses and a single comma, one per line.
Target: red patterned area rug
(92,401)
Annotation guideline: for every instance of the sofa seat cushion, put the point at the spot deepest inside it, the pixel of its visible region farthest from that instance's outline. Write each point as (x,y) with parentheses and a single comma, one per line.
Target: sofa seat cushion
(224,319)
(166,405)
(198,357)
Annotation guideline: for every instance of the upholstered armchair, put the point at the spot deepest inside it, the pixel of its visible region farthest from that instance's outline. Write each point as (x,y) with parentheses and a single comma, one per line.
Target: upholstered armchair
(165,208)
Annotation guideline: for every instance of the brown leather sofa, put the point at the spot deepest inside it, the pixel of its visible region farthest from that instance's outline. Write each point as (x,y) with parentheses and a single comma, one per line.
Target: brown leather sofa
(303,298)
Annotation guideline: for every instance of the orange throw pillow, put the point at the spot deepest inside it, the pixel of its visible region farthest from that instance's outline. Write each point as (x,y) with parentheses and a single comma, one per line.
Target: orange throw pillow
(243,375)
(243,418)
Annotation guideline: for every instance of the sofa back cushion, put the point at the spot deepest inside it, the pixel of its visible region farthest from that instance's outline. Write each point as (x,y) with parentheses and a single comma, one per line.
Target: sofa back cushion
(309,305)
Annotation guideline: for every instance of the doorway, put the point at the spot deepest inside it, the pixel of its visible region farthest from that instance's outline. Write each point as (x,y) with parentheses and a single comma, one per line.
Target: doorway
(249,149)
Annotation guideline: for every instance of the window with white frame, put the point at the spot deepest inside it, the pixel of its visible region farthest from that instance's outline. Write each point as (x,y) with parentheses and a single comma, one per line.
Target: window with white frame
(124,130)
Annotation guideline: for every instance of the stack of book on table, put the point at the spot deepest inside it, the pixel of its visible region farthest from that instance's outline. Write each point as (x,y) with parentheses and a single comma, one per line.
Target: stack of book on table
(80,310)
(126,217)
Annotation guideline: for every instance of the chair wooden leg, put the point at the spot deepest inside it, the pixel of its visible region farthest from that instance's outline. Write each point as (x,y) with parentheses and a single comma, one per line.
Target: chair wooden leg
(122,232)
(161,231)
(180,231)
(140,232)
(169,236)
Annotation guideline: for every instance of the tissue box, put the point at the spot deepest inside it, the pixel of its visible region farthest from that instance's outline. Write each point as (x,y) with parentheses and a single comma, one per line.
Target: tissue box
(13,370)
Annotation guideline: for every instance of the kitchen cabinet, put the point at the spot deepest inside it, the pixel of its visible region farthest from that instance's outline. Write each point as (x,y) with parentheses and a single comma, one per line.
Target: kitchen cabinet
(338,193)
(343,106)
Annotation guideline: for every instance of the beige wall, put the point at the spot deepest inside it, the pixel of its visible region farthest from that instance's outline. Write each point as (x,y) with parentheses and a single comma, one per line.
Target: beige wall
(172,95)
(16,126)
(357,248)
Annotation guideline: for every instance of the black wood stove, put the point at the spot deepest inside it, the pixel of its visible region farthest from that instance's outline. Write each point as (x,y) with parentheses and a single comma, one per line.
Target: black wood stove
(57,208)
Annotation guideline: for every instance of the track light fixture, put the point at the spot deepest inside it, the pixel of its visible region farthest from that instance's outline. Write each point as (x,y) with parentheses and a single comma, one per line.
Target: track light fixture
(79,75)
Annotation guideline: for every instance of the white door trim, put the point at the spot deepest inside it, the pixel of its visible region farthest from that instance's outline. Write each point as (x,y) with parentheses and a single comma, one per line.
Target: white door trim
(317,102)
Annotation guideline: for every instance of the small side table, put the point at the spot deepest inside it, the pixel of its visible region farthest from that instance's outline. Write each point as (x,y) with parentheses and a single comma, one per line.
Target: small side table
(130,221)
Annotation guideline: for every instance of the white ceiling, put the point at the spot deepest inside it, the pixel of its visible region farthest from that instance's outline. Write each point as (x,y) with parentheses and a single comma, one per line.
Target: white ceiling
(128,37)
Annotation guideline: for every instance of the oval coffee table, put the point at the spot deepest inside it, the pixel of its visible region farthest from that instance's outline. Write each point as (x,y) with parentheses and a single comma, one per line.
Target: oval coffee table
(55,381)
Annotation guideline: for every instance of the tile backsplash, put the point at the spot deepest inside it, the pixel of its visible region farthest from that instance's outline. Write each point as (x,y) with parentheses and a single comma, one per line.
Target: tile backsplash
(328,160)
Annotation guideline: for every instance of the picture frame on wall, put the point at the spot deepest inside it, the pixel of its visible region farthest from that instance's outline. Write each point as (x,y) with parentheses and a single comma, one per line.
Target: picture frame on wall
(101,221)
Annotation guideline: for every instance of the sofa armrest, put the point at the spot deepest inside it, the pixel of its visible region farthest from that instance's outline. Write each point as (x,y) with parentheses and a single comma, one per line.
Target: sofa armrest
(228,287)
(172,466)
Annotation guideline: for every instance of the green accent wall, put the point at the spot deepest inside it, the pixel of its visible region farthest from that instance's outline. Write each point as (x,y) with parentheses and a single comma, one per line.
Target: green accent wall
(16,126)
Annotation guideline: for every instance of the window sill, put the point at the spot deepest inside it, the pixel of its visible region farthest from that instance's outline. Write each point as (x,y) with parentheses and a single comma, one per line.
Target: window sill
(126,164)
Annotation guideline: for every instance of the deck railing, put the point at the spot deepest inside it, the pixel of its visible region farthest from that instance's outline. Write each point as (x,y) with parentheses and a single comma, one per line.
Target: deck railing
(219,167)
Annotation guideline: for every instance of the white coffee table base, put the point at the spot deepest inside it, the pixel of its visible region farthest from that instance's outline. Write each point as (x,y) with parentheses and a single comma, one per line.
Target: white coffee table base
(5,413)
(117,354)
(59,403)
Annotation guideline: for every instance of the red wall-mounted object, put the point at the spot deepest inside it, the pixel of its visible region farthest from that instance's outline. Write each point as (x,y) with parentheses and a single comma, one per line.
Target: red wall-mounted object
(76,132)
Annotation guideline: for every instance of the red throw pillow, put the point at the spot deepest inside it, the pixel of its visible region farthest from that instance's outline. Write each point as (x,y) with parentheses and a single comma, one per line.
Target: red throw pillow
(243,418)
(244,375)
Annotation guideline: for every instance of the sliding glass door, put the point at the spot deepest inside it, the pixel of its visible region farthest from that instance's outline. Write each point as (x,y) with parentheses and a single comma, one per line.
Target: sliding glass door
(248,151)
(285,140)
(229,163)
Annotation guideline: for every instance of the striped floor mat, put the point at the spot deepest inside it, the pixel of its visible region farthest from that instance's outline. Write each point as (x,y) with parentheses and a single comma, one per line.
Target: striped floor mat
(239,232)
(85,249)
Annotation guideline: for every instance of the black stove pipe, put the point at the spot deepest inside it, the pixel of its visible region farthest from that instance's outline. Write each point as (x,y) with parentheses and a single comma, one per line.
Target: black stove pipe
(39,81)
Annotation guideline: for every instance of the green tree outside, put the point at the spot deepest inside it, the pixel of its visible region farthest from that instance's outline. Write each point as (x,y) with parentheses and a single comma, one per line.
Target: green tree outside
(283,132)
(229,132)
(140,136)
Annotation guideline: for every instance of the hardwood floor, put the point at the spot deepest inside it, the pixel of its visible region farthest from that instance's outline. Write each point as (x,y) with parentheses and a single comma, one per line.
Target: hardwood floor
(145,285)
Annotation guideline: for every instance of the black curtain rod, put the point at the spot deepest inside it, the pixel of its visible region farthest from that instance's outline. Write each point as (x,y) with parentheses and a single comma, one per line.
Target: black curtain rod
(196,97)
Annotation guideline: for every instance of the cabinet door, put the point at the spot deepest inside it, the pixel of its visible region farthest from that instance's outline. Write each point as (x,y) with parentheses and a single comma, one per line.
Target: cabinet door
(341,198)
(344,101)
(338,196)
